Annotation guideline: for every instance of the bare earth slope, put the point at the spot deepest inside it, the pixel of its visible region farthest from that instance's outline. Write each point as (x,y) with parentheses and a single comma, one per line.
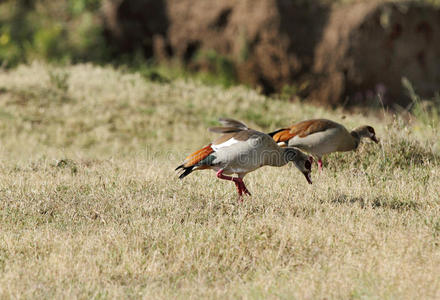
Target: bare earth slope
(346,52)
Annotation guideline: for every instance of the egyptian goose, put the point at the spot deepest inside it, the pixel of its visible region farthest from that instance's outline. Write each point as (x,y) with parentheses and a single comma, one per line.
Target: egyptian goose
(241,150)
(321,136)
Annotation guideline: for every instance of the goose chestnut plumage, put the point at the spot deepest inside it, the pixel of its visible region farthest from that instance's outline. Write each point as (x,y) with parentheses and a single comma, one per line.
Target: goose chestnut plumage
(321,136)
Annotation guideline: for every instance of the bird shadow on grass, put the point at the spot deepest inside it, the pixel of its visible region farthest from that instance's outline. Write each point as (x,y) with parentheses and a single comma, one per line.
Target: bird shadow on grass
(382,202)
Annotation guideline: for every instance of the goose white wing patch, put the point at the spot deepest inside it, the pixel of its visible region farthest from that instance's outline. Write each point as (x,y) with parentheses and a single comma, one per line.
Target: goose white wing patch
(297,138)
(228,143)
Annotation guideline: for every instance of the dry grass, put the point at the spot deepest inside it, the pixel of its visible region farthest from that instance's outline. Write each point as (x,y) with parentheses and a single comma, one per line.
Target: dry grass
(90,206)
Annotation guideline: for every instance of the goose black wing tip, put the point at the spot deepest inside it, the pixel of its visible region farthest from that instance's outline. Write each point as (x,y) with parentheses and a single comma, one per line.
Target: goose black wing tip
(186,172)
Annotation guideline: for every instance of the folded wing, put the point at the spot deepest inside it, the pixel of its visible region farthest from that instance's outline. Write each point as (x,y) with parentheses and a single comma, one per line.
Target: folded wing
(301,129)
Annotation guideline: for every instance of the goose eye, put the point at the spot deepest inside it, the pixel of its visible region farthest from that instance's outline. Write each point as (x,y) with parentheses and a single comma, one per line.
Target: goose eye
(308,165)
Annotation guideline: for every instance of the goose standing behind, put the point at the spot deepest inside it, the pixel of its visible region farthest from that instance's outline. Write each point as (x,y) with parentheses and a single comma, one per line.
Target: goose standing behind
(241,150)
(322,136)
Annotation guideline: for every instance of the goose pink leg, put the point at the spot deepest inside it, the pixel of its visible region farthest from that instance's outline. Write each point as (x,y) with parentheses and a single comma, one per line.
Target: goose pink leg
(239,189)
(243,186)
(320,165)
(238,183)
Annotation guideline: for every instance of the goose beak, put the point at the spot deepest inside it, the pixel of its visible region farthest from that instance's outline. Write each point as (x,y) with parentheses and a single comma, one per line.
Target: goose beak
(374,138)
(308,177)
(308,166)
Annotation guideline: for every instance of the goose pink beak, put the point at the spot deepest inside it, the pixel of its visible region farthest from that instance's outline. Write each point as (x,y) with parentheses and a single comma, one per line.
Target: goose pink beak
(307,173)
(308,177)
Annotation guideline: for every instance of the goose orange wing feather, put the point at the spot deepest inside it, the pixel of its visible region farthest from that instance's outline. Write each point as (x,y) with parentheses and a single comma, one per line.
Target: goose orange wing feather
(197,156)
(302,129)
(282,135)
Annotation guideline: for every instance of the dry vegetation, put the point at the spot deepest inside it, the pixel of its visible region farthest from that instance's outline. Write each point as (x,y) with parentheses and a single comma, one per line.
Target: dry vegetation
(90,206)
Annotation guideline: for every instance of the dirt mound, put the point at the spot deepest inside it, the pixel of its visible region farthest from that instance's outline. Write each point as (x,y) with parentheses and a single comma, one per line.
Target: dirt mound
(270,42)
(265,39)
(342,54)
(368,47)
(133,25)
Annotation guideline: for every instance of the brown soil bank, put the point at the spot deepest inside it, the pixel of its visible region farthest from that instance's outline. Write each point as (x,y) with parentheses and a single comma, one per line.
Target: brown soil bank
(339,54)
(368,48)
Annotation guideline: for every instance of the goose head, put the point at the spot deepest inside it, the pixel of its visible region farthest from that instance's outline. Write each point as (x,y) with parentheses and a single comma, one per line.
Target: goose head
(302,161)
(366,132)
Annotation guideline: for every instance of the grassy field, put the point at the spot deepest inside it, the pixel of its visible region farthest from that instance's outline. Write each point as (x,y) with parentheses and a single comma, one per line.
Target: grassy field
(90,205)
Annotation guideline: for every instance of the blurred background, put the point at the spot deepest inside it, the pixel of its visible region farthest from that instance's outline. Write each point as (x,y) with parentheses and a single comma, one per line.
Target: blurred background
(331,52)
